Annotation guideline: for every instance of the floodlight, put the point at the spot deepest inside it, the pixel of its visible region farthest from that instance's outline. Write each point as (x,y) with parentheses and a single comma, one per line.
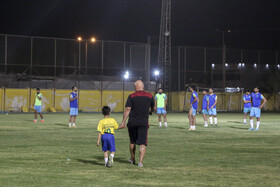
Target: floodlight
(213,66)
(126,75)
(79,38)
(93,39)
(255,65)
(226,64)
(156,73)
(278,66)
(243,65)
(266,66)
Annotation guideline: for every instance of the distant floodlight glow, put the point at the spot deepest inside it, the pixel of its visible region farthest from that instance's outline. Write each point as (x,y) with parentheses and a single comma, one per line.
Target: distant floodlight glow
(226,64)
(126,76)
(243,65)
(156,73)
(278,66)
(266,66)
(79,38)
(213,66)
(255,65)
(93,39)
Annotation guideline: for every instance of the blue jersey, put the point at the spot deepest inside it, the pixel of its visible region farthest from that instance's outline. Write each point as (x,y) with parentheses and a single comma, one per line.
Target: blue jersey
(74,103)
(247,98)
(204,102)
(194,105)
(257,99)
(212,99)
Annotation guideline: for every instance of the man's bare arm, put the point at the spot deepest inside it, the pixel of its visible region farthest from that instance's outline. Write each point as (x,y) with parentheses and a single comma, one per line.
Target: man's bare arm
(125,116)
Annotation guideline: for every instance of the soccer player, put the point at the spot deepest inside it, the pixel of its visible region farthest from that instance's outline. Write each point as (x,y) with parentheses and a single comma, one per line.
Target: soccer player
(247,105)
(38,105)
(73,106)
(106,130)
(257,98)
(211,107)
(193,108)
(160,106)
(205,103)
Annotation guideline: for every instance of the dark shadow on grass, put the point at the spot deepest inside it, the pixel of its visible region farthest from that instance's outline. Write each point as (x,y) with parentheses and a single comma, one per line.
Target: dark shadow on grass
(116,159)
(235,122)
(241,128)
(93,162)
(61,124)
(179,127)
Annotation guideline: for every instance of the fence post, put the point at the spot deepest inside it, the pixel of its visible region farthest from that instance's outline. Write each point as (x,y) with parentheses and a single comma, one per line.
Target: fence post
(6,53)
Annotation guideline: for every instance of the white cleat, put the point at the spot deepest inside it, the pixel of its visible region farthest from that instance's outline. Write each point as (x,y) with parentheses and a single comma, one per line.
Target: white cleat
(205,125)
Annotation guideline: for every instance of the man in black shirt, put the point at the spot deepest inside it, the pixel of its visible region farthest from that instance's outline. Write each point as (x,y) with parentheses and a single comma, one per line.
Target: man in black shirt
(138,107)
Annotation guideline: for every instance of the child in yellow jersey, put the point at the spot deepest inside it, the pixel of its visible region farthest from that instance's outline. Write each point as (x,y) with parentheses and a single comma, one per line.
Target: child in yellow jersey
(106,130)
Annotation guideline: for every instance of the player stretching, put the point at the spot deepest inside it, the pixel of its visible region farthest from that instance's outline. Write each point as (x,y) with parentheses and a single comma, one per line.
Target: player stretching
(257,98)
(160,103)
(205,103)
(73,106)
(211,107)
(38,105)
(193,108)
(247,105)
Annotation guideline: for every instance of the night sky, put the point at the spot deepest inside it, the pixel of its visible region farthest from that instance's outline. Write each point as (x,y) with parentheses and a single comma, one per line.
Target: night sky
(253,23)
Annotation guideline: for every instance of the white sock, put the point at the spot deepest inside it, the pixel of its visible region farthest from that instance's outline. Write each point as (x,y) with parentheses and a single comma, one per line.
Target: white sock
(74,124)
(69,124)
(216,120)
(205,123)
(193,127)
(252,123)
(244,121)
(160,124)
(106,160)
(165,123)
(211,120)
(112,155)
(258,124)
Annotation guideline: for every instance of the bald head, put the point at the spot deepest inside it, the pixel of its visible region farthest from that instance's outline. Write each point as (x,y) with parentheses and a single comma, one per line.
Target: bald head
(139,86)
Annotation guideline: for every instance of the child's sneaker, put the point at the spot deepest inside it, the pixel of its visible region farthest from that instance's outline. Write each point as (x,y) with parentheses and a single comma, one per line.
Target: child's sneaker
(110,161)
(42,120)
(35,120)
(140,165)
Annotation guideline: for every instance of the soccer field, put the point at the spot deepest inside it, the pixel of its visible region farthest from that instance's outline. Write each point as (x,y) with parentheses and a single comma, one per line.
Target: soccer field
(51,154)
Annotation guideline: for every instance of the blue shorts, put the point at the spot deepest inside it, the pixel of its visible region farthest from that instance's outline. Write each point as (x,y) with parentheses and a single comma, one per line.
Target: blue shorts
(38,108)
(204,111)
(108,142)
(160,110)
(73,111)
(212,111)
(247,110)
(193,111)
(255,112)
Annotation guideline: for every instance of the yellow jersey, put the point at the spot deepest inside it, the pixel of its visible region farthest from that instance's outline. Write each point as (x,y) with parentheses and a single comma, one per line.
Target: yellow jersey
(107,125)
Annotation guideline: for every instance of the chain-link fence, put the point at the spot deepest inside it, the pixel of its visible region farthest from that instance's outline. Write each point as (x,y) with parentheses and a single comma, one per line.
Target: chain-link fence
(25,61)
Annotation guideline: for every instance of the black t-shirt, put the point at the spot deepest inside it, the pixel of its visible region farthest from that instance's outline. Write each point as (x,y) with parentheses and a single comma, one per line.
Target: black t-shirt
(140,103)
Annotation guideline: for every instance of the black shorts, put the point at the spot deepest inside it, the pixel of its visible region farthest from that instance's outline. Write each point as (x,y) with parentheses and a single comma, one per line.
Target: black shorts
(138,134)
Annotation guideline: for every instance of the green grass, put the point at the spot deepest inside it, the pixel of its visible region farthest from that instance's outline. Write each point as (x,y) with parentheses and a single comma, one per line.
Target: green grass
(227,155)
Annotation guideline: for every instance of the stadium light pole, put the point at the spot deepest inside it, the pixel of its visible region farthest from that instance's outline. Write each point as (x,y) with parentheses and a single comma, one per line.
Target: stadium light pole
(79,40)
(156,74)
(125,78)
(92,40)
